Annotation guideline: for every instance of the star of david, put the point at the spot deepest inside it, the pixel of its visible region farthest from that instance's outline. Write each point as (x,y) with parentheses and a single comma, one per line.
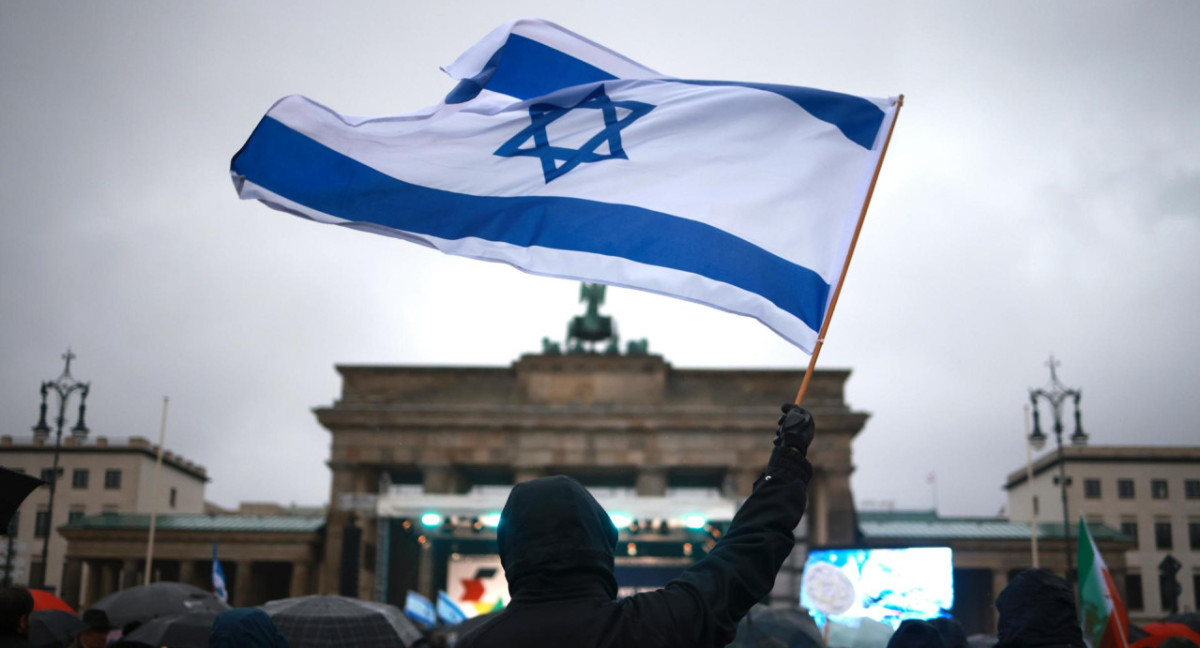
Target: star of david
(559,160)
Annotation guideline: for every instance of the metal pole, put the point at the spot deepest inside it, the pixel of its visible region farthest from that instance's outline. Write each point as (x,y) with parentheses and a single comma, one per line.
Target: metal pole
(1033,525)
(1062,484)
(62,407)
(154,498)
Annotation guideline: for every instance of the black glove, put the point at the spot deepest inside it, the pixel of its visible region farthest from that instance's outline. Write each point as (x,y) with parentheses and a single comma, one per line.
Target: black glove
(792,437)
(796,430)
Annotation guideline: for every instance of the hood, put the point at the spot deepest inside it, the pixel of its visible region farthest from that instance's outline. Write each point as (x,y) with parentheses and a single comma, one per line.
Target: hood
(245,628)
(916,634)
(1037,609)
(556,542)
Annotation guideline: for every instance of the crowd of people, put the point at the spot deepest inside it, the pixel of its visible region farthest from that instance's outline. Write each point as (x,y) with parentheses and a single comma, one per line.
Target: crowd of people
(557,545)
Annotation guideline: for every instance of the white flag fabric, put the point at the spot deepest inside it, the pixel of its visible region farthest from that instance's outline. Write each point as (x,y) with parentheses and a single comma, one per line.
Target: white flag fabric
(560,157)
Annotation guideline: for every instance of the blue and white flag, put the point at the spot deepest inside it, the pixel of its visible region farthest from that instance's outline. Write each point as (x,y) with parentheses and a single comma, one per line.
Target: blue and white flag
(561,157)
(218,578)
(419,608)
(448,611)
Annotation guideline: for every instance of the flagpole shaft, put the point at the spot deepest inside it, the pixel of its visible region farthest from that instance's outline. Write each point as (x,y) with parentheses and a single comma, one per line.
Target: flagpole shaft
(862,215)
(154,498)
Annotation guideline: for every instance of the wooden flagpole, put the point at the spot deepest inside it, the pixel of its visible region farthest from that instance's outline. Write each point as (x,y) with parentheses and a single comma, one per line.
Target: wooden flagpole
(812,361)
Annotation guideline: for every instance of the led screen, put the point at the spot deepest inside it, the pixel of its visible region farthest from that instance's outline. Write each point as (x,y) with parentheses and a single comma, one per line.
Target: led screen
(886,585)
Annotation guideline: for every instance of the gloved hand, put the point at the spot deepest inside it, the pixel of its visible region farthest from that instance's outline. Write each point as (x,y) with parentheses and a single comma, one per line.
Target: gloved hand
(792,437)
(796,429)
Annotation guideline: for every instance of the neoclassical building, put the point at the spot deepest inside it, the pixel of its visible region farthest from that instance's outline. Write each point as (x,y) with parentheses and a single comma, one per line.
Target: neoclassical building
(422,457)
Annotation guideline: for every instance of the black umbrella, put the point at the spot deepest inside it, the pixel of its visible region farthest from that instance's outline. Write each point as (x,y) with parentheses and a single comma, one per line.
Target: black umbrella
(52,628)
(777,628)
(14,488)
(189,630)
(321,621)
(146,602)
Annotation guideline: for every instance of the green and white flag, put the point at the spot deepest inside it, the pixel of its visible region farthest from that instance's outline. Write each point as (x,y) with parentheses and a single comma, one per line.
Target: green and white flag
(1101,613)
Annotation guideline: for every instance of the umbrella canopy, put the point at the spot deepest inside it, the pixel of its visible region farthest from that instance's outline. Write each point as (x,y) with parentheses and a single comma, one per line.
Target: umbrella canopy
(778,627)
(321,621)
(188,630)
(14,488)
(52,628)
(146,602)
(1189,619)
(1159,631)
(43,600)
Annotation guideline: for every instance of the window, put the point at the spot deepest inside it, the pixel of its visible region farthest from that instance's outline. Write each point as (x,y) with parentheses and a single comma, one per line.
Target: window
(1196,586)
(1133,592)
(48,474)
(79,478)
(1125,490)
(1091,488)
(112,479)
(1158,488)
(1191,489)
(1194,535)
(74,515)
(1130,528)
(41,524)
(13,527)
(173,494)
(1162,535)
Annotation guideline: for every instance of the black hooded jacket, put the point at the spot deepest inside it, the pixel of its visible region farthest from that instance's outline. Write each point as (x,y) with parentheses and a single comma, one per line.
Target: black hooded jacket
(557,543)
(1037,609)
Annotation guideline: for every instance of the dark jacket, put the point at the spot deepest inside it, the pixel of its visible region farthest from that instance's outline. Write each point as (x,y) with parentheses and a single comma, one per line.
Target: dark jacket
(11,640)
(1037,609)
(916,634)
(556,545)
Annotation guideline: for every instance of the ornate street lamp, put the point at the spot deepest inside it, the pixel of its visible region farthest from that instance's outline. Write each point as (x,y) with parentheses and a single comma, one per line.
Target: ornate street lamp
(1056,394)
(64,386)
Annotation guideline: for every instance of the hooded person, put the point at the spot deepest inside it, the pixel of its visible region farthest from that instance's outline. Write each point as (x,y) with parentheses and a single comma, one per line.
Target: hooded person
(1037,610)
(951,630)
(914,633)
(557,545)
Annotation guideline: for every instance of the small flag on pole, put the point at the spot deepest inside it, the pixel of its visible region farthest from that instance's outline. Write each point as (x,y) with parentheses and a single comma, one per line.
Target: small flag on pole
(419,608)
(1101,613)
(448,611)
(561,157)
(218,578)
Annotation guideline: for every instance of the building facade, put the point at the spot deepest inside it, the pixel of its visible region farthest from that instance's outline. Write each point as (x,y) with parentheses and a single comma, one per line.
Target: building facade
(96,476)
(634,429)
(1151,494)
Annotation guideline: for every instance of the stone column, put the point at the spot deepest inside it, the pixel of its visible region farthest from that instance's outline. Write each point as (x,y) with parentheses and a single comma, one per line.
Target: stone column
(187,572)
(839,512)
(73,582)
(299,585)
(105,577)
(129,574)
(243,585)
(651,481)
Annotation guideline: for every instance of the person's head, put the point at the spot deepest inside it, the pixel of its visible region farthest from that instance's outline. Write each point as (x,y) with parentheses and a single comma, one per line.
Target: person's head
(16,604)
(1037,608)
(951,630)
(916,634)
(554,537)
(95,629)
(245,628)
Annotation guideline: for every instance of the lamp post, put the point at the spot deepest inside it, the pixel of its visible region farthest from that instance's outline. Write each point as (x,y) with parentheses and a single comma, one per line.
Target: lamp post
(1057,394)
(64,386)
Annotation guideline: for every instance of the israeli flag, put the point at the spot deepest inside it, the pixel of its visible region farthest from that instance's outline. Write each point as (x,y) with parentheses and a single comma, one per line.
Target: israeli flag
(448,611)
(419,608)
(560,157)
(218,578)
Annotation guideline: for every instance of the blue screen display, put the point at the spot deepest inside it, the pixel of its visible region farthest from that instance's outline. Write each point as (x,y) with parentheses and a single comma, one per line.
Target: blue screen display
(886,585)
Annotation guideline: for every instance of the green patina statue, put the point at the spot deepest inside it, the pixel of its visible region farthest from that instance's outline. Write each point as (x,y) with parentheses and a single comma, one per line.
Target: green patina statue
(592,332)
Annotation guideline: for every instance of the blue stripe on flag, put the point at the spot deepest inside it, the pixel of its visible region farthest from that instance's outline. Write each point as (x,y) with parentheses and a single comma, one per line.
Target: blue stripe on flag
(300,169)
(526,69)
(858,119)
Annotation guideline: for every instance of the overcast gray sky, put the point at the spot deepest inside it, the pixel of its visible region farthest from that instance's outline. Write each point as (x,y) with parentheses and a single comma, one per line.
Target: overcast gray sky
(1042,194)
